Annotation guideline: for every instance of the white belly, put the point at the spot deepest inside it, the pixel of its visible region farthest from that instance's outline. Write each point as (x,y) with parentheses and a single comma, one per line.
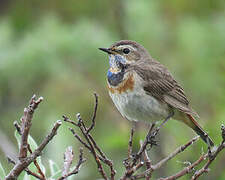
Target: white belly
(136,105)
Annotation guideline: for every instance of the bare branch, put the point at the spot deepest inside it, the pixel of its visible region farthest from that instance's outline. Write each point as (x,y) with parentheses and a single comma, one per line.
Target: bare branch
(47,139)
(211,156)
(90,143)
(163,161)
(132,170)
(90,146)
(186,170)
(173,154)
(92,149)
(130,143)
(29,172)
(149,139)
(68,158)
(37,165)
(94,114)
(147,162)
(23,163)
(66,119)
(26,124)
(134,162)
(79,139)
(127,162)
(103,157)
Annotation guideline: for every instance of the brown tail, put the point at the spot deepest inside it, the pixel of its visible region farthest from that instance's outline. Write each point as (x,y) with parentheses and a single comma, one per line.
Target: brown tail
(196,127)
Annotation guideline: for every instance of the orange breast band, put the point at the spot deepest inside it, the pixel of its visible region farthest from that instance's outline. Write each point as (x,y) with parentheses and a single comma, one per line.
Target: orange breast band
(127,84)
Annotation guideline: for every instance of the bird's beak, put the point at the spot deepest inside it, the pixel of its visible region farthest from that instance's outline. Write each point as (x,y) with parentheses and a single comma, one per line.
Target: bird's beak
(107,50)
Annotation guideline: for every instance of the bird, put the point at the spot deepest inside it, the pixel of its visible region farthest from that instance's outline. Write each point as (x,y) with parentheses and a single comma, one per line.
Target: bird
(143,89)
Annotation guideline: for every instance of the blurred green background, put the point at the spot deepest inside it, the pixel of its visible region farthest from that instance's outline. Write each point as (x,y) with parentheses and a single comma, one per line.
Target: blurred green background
(50,48)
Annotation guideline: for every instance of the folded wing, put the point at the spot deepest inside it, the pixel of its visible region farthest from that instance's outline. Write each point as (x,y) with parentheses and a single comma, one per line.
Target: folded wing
(159,83)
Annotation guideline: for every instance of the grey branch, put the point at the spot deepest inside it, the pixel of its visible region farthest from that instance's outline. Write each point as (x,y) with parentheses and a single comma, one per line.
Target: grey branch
(173,154)
(186,170)
(94,113)
(166,159)
(90,143)
(131,162)
(211,156)
(26,124)
(10,160)
(147,162)
(134,162)
(24,161)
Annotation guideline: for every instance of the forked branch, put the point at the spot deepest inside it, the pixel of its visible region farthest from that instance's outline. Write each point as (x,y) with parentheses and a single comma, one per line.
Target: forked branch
(90,143)
(24,160)
(134,162)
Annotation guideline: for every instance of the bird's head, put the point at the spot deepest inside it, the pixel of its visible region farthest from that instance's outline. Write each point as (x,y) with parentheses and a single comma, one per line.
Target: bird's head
(124,53)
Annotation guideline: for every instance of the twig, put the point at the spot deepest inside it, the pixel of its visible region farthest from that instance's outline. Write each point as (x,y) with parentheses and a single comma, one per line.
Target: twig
(66,119)
(147,162)
(94,113)
(132,170)
(186,170)
(47,139)
(163,161)
(79,139)
(173,154)
(130,143)
(68,158)
(90,143)
(92,149)
(212,157)
(127,161)
(134,162)
(18,128)
(148,140)
(29,172)
(22,164)
(131,166)
(26,124)
(37,165)
(103,157)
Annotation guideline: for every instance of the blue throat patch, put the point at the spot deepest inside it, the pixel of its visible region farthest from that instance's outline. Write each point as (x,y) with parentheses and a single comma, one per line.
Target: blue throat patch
(115,78)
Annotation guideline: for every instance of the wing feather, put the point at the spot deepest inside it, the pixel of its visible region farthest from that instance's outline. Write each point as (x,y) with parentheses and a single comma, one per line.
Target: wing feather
(159,83)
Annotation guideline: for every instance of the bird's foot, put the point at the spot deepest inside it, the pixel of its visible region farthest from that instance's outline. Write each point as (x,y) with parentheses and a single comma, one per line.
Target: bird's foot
(128,161)
(151,139)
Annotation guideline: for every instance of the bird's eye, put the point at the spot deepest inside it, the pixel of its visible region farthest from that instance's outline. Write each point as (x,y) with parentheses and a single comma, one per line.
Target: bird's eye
(126,50)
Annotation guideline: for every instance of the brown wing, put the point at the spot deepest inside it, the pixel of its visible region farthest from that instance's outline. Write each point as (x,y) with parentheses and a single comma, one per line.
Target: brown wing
(160,84)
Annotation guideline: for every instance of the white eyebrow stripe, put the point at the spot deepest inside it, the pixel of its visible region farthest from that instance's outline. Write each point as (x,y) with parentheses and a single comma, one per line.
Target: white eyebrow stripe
(126,46)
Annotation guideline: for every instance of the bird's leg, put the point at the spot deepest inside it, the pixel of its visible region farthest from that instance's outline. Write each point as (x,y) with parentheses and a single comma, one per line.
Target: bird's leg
(151,136)
(164,122)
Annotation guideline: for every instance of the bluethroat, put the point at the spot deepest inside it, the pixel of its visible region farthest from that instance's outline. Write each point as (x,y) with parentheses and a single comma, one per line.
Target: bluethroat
(142,89)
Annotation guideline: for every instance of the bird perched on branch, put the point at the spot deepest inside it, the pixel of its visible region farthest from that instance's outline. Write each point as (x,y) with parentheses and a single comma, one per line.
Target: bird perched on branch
(142,89)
